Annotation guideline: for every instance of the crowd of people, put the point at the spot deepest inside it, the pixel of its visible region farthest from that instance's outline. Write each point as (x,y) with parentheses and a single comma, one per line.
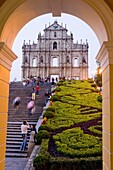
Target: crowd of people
(35,80)
(35,84)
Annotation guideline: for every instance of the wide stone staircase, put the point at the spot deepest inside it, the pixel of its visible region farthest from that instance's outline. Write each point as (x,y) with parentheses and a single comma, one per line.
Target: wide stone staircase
(15,119)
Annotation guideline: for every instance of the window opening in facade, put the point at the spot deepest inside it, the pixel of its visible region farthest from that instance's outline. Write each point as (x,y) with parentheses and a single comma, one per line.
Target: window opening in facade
(34,62)
(55,46)
(55,34)
(25,60)
(55,62)
(75,63)
(83,60)
(67,59)
(41,59)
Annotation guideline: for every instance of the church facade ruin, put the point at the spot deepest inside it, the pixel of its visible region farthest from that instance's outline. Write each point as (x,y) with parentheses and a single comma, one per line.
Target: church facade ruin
(55,55)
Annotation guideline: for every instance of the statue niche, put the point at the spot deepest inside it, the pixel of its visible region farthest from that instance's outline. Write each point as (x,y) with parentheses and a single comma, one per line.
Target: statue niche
(41,59)
(67,59)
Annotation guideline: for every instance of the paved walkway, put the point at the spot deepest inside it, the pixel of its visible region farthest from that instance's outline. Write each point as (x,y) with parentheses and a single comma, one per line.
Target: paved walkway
(16,163)
(22,163)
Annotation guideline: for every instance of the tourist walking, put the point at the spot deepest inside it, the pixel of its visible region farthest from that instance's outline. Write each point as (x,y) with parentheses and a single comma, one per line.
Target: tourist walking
(48,94)
(24,131)
(37,90)
(30,106)
(33,93)
(16,103)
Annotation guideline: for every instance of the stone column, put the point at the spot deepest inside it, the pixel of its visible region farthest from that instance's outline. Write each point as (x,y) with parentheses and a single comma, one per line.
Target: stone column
(6,59)
(105,57)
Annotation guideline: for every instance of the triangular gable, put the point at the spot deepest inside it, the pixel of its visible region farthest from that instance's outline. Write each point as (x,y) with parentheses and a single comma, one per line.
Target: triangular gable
(55,26)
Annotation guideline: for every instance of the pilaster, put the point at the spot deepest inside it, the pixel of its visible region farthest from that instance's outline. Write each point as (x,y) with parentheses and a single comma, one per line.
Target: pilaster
(6,59)
(105,58)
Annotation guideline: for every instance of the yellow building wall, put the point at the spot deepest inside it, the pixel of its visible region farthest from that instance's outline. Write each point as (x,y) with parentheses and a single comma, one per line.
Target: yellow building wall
(6,58)
(4,93)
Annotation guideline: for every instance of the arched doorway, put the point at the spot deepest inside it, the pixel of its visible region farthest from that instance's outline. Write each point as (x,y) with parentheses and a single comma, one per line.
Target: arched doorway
(97,14)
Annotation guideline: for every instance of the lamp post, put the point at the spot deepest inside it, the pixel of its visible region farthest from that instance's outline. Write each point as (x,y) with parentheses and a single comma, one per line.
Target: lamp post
(98,79)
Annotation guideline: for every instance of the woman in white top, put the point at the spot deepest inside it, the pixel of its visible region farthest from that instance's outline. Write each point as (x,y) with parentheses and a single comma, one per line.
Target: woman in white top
(24,128)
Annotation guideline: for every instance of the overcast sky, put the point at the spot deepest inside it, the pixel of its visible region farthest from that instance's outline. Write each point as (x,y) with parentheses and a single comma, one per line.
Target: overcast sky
(75,25)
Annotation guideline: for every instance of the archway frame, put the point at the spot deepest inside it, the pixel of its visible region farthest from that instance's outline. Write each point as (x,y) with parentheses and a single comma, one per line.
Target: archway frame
(24,10)
(15,14)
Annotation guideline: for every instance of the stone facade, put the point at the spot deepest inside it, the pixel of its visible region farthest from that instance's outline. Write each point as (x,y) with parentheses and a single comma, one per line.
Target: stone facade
(55,54)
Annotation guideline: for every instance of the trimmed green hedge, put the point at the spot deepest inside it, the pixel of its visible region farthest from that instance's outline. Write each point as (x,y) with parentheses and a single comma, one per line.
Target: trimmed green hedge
(42,134)
(99,98)
(41,162)
(96,129)
(44,161)
(58,89)
(48,114)
(44,127)
(94,163)
(76,102)
(50,109)
(93,85)
(74,143)
(55,98)
(91,81)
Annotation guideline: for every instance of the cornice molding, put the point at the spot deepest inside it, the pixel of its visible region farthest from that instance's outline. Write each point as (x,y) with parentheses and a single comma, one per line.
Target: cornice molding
(6,56)
(105,54)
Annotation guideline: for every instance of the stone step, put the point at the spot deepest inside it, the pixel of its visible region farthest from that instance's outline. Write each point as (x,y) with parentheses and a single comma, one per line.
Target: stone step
(14,130)
(25,113)
(13,147)
(14,137)
(12,133)
(16,151)
(19,123)
(17,119)
(18,126)
(17,130)
(14,143)
(21,118)
(25,116)
(16,154)
(11,139)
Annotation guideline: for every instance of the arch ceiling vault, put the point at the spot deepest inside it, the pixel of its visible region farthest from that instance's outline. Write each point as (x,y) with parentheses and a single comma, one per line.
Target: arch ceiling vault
(98,14)
(20,12)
